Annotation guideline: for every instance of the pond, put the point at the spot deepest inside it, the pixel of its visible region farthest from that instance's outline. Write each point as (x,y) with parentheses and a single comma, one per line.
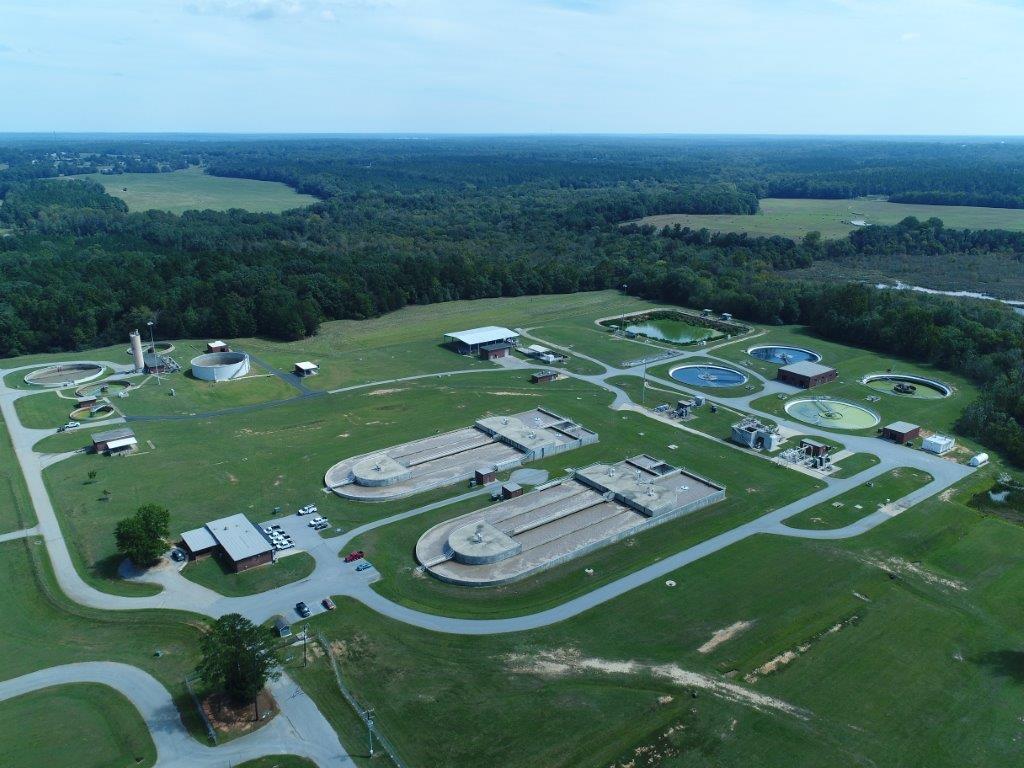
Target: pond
(674,331)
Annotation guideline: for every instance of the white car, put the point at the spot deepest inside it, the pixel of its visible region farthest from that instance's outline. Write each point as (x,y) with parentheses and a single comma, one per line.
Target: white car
(316,521)
(309,509)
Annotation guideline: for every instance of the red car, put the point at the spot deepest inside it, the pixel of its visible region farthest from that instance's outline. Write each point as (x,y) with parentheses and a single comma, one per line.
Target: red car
(328,604)
(351,557)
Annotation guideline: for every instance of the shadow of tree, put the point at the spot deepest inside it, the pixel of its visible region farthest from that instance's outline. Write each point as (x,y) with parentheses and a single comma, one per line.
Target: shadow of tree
(1005,663)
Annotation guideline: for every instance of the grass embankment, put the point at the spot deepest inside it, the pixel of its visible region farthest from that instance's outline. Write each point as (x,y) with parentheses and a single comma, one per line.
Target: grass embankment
(44,628)
(862,500)
(15,506)
(795,218)
(212,572)
(81,725)
(192,189)
(278,761)
(895,694)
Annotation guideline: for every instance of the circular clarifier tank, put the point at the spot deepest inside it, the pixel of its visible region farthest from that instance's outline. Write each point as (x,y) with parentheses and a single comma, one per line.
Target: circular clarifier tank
(708,376)
(64,374)
(905,385)
(829,413)
(784,355)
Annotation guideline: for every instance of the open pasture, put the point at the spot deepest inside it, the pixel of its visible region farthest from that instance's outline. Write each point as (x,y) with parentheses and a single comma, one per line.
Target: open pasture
(192,189)
(794,218)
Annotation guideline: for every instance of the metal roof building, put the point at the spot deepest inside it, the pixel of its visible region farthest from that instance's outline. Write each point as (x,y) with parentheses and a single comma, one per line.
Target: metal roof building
(239,539)
(471,340)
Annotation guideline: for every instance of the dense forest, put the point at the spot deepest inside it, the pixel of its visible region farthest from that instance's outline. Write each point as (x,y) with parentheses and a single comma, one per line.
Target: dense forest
(405,221)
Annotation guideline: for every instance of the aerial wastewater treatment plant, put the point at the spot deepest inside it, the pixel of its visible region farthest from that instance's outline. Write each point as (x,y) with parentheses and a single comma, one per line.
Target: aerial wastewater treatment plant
(492,444)
(559,521)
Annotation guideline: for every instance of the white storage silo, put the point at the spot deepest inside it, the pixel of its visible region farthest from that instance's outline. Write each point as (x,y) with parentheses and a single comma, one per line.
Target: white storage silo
(137,356)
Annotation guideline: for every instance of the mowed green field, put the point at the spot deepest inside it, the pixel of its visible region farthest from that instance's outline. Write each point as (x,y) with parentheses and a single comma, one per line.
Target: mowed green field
(411,340)
(82,725)
(192,189)
(15,506)
(795,218)
(46,629)
(918,669)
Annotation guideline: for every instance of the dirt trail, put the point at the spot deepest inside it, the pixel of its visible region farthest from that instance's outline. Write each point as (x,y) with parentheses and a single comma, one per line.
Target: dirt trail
(562,662)
(722,635)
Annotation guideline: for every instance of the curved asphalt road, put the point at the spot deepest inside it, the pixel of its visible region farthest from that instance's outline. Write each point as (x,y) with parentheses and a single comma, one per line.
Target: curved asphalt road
(299,729)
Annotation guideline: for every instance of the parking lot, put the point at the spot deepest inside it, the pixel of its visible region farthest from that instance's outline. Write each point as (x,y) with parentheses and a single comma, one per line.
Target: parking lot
(308,540)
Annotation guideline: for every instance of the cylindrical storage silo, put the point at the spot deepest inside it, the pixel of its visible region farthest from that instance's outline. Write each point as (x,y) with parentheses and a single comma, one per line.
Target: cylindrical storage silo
(137,357)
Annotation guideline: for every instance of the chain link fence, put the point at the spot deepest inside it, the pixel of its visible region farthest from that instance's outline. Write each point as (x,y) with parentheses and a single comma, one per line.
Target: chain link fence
(366,715)
(199,708)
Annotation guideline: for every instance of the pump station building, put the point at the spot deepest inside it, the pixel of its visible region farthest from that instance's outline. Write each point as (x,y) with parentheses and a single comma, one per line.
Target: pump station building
(806,374)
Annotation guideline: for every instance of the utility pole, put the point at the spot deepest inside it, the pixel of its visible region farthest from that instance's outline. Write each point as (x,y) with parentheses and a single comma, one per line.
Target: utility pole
(152,347)
(305,635)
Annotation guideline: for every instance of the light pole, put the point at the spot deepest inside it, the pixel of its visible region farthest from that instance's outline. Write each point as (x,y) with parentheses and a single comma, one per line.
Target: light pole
(305,634)
(152,350)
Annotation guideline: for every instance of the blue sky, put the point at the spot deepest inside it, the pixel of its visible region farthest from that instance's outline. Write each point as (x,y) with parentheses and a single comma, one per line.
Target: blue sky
(604,66)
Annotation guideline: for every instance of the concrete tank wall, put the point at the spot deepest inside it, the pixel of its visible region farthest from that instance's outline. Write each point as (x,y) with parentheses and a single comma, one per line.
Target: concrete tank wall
(220,366)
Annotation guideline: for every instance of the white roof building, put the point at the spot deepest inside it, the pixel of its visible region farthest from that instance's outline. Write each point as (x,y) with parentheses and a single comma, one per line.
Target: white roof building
(307,366)
(939,444)
(474,337)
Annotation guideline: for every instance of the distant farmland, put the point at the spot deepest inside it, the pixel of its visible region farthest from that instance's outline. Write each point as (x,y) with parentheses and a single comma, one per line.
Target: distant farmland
(795,218)
(192,189)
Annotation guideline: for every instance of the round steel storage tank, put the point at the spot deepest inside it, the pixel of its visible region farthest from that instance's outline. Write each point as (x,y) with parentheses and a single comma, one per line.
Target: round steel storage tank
(220,366)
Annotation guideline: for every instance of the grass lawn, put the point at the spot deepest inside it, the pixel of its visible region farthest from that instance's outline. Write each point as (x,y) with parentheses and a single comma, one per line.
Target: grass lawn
(276,457)
(795,218)
(44,629)
(410,341)
(50,727)
(853,464)
(278,761)
(192,396)
(192,189)
(581,334)
(213,573)
(15,506)
(893,485)
(592,690)
(45,410)
(753,488)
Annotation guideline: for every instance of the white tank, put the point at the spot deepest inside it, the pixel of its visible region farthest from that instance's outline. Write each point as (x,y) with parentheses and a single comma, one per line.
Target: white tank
(138,359)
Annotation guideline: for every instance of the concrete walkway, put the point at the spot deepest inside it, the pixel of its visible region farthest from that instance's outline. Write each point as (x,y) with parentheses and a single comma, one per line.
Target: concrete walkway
(299,729)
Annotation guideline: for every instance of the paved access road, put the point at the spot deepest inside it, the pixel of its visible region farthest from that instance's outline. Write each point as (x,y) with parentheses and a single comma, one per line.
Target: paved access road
(299,729)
